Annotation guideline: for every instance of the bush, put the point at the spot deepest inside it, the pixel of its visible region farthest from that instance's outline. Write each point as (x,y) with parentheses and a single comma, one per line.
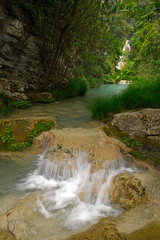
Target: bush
(21,104)
(59,93)
(5,106)
(142,94)
(76,87)
(5,99)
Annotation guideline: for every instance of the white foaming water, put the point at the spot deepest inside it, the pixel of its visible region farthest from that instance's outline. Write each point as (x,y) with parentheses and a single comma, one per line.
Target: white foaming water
(70,190)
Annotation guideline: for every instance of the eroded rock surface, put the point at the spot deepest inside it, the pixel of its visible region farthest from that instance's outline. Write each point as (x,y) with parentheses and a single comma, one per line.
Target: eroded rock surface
(145,122)
(128,191)
(95,141)
(20,55)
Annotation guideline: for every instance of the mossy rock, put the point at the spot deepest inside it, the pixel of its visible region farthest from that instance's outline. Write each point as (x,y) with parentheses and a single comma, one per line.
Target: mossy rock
(21,131)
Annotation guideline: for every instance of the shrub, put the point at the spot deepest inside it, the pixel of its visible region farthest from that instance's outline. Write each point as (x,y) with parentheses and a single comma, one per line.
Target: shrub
(21,104)
(5,99)
(5,107)
(59,93)
(77,87)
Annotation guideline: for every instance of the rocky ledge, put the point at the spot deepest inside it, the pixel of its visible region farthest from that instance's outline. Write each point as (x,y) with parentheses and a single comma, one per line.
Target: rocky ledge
(143,123)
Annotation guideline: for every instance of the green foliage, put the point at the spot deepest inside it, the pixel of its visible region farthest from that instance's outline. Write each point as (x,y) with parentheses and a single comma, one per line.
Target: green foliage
(21,104)
(145,38)
(5,108)
(59,93)
(141,94)
(41,13)
(5,99)
(94,82)
(38,129)
(131,142)
(158,162)
(139,156)
(102,107)
(76,87)
(8,141)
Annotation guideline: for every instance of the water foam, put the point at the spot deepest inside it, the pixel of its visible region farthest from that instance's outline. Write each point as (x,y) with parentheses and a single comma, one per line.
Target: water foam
(70,190)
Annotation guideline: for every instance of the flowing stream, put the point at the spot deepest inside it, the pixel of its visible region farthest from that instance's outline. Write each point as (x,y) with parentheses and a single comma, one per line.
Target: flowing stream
(72,112)
(67,195)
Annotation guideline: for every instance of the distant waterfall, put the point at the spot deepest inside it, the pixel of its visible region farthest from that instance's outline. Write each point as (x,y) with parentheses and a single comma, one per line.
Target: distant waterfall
(121,62)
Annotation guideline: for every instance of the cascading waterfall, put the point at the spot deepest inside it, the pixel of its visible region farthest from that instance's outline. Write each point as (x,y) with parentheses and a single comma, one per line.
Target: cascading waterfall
(70,191)
(126,48)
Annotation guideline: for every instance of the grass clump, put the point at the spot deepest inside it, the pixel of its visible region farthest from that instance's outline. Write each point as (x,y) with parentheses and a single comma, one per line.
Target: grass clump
(141,94)
(21,104)
(102,107)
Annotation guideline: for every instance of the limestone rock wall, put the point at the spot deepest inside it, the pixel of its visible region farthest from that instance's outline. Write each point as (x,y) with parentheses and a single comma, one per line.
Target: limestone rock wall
(19,54)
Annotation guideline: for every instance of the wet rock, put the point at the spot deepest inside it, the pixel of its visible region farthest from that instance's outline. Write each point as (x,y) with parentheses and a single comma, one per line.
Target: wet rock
(94,141)
(128,191)
(39,96)
(142,123)
(105,229)
(151,231)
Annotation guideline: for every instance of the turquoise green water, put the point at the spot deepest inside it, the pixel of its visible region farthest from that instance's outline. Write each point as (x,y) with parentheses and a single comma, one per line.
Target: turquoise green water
(72,112)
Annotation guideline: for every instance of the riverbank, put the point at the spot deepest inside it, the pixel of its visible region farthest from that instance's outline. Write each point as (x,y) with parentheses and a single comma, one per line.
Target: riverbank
(43,187)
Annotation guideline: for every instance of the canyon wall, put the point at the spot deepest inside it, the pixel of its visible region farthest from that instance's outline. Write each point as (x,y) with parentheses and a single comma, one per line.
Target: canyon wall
(20,53)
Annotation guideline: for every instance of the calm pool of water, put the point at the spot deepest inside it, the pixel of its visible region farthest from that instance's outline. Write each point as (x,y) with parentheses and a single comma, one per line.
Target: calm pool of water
(72,112)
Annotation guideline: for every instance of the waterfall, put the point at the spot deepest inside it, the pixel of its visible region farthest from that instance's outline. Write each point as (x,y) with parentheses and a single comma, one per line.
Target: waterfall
(121,62)
(70,191)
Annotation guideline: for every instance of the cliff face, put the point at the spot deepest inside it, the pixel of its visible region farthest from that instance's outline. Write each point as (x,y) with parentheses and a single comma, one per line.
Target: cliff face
(19,54)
